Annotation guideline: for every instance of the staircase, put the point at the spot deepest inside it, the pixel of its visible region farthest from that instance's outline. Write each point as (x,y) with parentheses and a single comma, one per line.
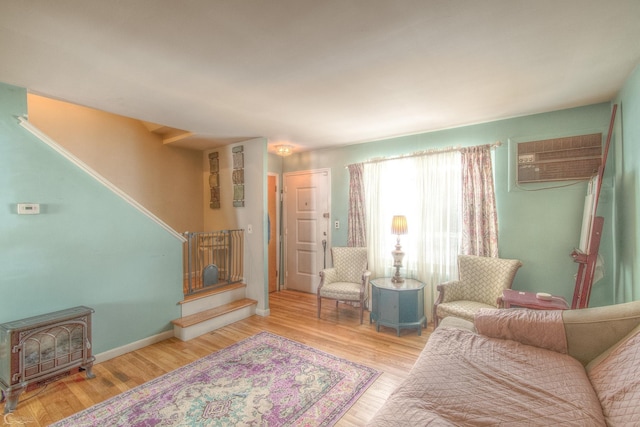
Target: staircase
(207,311)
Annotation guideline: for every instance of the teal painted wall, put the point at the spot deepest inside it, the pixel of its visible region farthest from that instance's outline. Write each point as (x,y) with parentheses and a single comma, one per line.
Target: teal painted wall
(87,247)
(541,228)
(627,184)
(274,163)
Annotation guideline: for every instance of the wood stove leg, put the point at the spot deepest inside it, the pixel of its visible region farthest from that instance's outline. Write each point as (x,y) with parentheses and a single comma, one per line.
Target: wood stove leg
(89,371)
(11,397)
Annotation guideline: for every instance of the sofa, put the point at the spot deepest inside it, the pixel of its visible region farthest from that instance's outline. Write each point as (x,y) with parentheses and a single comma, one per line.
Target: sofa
(525,367)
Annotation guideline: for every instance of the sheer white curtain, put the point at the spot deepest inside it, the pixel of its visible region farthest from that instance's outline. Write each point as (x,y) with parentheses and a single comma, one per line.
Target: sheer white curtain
(427,190)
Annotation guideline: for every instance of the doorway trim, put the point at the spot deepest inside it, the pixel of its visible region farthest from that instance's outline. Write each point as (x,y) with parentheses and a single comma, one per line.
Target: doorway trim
(278,237)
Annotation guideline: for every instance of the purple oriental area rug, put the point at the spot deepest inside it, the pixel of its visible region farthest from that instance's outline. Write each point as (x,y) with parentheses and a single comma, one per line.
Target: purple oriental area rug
(264,380)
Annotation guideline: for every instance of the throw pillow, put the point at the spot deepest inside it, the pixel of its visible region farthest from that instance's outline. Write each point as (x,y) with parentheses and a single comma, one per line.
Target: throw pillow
(539,328)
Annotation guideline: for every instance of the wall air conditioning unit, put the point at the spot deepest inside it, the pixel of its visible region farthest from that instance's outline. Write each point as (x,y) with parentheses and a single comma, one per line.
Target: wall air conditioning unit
(559,159)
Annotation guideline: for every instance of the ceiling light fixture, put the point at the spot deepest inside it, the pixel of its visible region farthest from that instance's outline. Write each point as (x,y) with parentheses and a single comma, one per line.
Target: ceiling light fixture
(284,150)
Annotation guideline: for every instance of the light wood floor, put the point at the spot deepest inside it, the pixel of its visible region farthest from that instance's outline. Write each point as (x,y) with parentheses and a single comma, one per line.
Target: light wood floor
(293,315)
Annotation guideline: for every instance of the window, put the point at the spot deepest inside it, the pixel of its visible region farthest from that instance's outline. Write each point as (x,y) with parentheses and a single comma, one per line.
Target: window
(427,190)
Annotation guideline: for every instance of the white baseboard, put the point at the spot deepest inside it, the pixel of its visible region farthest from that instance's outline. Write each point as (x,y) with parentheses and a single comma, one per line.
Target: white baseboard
(110,354)
(263,313)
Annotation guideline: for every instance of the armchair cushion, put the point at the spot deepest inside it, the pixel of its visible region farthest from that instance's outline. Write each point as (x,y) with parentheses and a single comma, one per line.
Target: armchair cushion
(462,308)
(341,290)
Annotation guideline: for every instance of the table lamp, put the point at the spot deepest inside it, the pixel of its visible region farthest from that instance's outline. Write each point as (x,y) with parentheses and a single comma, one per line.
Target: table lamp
(398,227)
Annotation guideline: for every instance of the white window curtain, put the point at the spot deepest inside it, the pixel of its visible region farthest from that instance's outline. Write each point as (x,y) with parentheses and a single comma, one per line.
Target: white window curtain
(426,189)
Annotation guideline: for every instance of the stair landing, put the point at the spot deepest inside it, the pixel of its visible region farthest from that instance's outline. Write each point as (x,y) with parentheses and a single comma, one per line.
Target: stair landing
(207,311)
(194,319)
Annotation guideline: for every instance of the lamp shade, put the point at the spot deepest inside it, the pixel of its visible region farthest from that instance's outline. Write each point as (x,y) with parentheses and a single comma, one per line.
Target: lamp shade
(399,225)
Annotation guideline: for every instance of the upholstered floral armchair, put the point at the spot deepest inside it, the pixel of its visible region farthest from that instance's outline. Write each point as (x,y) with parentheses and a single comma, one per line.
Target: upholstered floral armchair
(347,280)
(480,284)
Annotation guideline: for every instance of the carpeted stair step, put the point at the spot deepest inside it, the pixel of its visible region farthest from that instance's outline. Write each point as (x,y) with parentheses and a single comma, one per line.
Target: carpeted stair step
(193,325)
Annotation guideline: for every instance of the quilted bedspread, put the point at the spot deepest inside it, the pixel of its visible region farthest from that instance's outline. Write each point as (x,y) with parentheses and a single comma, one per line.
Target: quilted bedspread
(465,379)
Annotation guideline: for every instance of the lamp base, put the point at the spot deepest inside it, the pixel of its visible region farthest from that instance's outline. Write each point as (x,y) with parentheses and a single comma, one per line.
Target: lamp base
(397,278)
(398,255)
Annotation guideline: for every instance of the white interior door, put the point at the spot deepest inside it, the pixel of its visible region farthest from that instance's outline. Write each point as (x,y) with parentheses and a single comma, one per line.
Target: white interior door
(307,210)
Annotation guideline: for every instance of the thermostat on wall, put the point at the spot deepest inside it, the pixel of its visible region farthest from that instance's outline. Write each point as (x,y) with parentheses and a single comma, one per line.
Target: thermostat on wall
(28,208)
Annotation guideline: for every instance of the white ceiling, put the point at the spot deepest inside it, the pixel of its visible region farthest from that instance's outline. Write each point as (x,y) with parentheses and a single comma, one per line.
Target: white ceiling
(319,73)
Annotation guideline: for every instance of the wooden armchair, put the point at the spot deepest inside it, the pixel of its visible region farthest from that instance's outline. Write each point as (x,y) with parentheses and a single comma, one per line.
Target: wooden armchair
(348,280)
(481,281)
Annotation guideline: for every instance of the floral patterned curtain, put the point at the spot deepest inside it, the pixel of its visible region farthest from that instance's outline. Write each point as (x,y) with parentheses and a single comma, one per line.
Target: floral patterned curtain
(479,215)
(357,215)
